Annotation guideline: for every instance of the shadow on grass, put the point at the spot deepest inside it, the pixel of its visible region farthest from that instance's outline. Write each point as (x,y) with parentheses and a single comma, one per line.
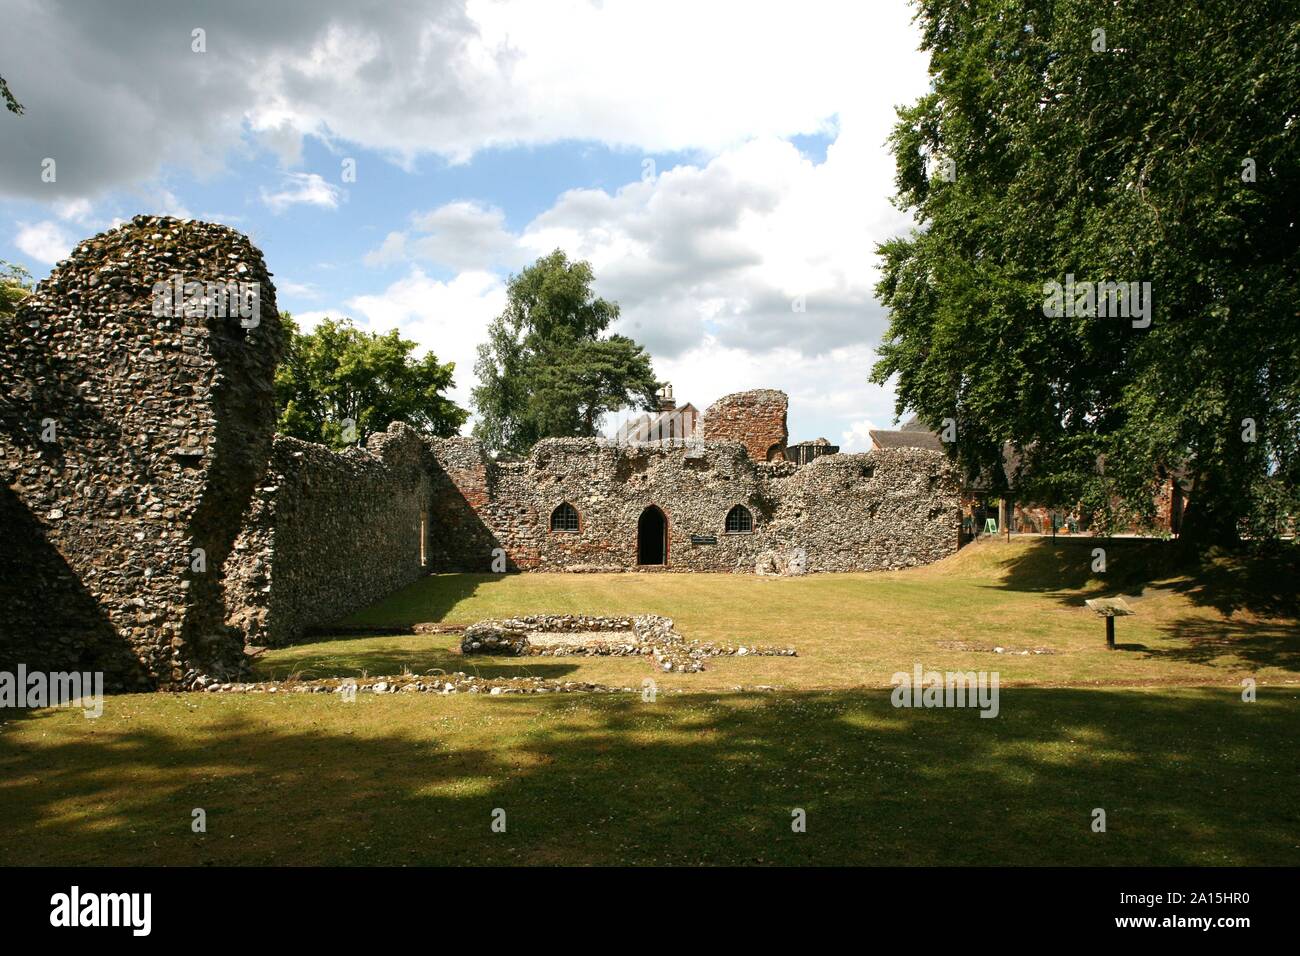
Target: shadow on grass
(1263,584)
(1233,584)
(1187,777)
(1261,643)
(380,661)
(1066,565)
(426,600)
(1229,582)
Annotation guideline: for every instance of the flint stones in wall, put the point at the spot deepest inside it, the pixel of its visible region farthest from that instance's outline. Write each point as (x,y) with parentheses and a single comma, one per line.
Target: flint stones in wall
(135,419)
(562,635)
(863,512)
(494,637)
(329,533)
(457,683)
(881,510)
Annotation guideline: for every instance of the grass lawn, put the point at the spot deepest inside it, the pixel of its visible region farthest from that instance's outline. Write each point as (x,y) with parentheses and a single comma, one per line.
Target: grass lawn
(855,630)
(1156,734)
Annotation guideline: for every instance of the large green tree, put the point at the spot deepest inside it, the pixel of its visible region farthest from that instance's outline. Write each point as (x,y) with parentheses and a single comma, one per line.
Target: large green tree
(338,375)
(1155,142)
(546,371)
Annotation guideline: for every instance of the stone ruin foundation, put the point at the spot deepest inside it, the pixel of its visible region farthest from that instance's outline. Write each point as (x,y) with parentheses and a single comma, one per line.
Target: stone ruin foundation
(136,414)
(455,683)
(563,635)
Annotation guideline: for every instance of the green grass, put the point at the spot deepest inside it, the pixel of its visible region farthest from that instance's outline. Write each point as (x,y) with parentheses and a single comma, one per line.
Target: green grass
(856,630)
(1186,774)
(1185,777)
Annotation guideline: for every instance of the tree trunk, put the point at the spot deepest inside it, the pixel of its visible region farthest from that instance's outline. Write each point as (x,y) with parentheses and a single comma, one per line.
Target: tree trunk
(1212,513)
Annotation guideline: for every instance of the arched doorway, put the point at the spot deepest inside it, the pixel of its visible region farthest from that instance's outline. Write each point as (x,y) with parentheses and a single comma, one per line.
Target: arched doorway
(652,537)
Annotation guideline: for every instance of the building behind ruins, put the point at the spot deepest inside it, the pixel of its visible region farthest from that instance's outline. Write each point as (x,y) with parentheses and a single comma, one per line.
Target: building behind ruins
(997,504)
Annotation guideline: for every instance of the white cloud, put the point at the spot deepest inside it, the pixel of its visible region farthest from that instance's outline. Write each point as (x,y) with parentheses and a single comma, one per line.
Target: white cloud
(302,290)
(705,259)
(43,241)
(754,269)
(302,188)
(442,78)
(459,235)
(307,321)
(465,234)
(449,318)
(829,394)
(857,436)
(760,247)
(160,201)
(74,210)
(391,250)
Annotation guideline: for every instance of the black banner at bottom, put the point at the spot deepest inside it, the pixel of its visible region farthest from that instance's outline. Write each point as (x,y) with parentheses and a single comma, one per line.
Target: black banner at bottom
(338,905)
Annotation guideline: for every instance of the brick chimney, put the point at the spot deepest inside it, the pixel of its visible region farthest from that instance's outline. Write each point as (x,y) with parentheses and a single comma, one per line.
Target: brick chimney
(666,401)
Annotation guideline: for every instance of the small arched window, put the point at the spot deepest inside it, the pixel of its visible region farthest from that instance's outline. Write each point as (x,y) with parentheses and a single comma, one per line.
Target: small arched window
(564,518)
(739,520)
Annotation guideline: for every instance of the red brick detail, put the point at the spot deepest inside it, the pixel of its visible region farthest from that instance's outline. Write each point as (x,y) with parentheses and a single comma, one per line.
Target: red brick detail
(755,419)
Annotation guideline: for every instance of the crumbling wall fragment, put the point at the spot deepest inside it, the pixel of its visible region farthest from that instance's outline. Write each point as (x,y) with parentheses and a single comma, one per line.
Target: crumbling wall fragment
(329,533)
(136,414)
(879,510)
(756,419)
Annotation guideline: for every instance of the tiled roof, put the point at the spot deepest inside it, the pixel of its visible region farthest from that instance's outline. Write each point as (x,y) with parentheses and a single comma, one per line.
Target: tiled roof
(906,439)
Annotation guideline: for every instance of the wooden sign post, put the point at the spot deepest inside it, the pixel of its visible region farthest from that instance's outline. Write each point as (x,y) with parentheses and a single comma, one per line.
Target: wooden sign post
(1109,608)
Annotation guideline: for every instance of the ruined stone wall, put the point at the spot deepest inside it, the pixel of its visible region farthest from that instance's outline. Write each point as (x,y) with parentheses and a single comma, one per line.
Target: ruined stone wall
(878,510)
(133,439)
(329,533)
(755,419)
(849,512)
(463,481)
(610,485)
(130,440)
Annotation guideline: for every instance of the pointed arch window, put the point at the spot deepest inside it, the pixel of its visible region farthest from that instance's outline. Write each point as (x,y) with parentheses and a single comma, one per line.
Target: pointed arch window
(739,520)
(564,518)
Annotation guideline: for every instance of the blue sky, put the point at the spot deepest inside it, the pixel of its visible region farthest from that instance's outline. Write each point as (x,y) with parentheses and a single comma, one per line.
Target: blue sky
(723,169)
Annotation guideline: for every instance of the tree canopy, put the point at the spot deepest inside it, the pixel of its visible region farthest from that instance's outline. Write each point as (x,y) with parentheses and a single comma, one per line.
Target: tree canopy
(546,371)
(1136,143)
(15,285)
(338,374)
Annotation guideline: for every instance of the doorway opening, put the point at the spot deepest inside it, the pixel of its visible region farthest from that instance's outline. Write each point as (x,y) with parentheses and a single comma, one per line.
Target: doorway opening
(652,537)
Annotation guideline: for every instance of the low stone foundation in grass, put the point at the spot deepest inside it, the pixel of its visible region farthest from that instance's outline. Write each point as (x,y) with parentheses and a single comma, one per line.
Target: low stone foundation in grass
(562,635)
(456,683)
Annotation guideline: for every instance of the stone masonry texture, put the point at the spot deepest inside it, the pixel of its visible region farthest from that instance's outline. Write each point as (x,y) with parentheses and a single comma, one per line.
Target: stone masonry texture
(131,442)
(329,533)
(883,509)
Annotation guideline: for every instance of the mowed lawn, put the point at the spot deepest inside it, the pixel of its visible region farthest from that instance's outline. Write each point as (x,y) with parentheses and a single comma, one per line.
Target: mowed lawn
(1156,734)
(858,630)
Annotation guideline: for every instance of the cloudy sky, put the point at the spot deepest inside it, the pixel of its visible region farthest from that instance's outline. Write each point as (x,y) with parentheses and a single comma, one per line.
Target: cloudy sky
(721,165)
